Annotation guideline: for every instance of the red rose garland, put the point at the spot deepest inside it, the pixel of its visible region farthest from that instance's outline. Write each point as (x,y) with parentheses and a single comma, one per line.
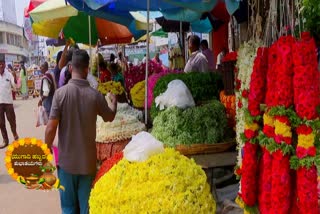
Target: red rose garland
(307,190)
(258,84)
(249,178)
(265,179)
(306,101)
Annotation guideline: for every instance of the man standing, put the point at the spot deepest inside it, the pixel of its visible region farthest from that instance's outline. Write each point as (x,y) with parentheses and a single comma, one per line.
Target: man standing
(197,61)
(75,108)
(6,103)
(209,55)
(47,89)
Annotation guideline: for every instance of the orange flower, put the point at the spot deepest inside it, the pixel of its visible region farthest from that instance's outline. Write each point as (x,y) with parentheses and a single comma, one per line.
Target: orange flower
(8,153)
(14,176)
(47,152)
(39,143)
(9,165)
(15,144)
(28,142)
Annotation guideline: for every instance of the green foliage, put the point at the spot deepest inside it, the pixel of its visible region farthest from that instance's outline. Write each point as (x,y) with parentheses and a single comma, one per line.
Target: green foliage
(203,86)
(311,14)
(272,146)
(197,125)
(296,163)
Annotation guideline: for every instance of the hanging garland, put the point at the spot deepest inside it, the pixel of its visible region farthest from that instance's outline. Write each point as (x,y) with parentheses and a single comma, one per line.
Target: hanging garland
(306,100)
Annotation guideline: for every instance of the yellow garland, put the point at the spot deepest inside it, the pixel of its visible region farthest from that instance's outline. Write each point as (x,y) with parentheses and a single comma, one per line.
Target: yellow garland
(241,204)
(22,142)
(113,87)
(138,94)
(252,126)
(282,129)
(306,141)
(166,183)
(268,120)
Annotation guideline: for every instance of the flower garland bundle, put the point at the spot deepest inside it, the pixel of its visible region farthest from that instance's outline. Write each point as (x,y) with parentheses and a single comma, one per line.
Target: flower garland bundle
(137,73)
(258,83)
(107,165)
(137,94)
(152,80)
(165,183)
(265,179)
(114,87)
(229,102)
(245,62)
(283,92)
(306,101)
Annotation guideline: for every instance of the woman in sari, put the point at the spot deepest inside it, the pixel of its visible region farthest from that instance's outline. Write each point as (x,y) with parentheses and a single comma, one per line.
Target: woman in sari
(24,81)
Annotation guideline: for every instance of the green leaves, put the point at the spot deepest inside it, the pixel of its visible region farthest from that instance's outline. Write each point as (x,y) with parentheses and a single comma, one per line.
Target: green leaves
(203,86)
(203,124)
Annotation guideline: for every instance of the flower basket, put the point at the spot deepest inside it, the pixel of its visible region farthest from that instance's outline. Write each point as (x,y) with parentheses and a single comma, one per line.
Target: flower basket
(196,149)
(106,150)
(228,76)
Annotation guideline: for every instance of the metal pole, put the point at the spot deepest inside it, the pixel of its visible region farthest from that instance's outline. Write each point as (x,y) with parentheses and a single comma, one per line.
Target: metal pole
(147,65)
(90,51)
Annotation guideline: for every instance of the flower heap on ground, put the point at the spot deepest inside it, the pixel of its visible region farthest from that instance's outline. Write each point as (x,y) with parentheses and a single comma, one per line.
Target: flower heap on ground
(165,183)
(306,101)
(246,56)
(113,87)
(137,73)
(137,94)
(152,81)
(126,123)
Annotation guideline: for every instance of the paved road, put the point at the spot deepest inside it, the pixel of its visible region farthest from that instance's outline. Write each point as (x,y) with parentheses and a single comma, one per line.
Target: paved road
(14,198)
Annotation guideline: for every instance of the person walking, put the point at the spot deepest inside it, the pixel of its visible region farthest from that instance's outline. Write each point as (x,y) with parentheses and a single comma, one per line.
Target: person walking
(47,88)
(197,61)
(74,109)
(6,103)
(24,81)
(122,62)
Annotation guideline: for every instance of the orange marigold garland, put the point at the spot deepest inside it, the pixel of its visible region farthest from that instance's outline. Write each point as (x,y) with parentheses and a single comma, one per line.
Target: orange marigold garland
(306,101)
(229,102)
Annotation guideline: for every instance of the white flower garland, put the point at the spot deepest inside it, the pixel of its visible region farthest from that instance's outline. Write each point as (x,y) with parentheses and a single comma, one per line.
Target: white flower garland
(246,56)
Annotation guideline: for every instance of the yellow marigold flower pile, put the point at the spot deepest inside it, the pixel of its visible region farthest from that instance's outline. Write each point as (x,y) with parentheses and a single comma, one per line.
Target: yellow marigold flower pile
(165,183)
(113,87)
(138,94)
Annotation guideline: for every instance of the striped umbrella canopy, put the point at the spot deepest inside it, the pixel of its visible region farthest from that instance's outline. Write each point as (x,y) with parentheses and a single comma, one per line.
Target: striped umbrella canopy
(55,19)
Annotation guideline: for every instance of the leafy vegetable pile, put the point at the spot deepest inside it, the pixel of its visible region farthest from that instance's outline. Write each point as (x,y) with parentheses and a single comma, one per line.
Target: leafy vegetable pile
(203,86)
(197,125)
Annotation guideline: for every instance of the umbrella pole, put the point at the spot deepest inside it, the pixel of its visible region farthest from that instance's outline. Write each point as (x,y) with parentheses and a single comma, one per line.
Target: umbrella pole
(147,65)
(90,51)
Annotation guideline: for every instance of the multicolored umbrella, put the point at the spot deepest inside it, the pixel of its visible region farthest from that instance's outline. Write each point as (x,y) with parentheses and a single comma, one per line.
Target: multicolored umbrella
(55,19)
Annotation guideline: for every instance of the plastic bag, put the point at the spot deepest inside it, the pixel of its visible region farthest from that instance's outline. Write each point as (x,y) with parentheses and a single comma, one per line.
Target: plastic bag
(42,117)
(177,94)
(141,147)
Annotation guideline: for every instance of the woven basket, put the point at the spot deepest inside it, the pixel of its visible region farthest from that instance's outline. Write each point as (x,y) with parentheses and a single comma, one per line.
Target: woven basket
(228,77)
(107,150)
(196,149)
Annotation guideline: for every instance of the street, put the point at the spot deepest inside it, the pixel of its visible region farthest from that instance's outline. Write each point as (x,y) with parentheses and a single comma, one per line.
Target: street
(14,198)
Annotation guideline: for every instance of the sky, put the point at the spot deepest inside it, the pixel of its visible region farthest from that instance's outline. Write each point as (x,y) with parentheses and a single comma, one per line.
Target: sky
(20,5)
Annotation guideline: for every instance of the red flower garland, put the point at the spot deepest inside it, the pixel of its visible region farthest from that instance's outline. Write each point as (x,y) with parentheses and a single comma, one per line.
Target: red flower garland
(265,179)
(281,186)
(249,178)
(258,83)
(231,56)
(107,165)
(307,190)
(271,100)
